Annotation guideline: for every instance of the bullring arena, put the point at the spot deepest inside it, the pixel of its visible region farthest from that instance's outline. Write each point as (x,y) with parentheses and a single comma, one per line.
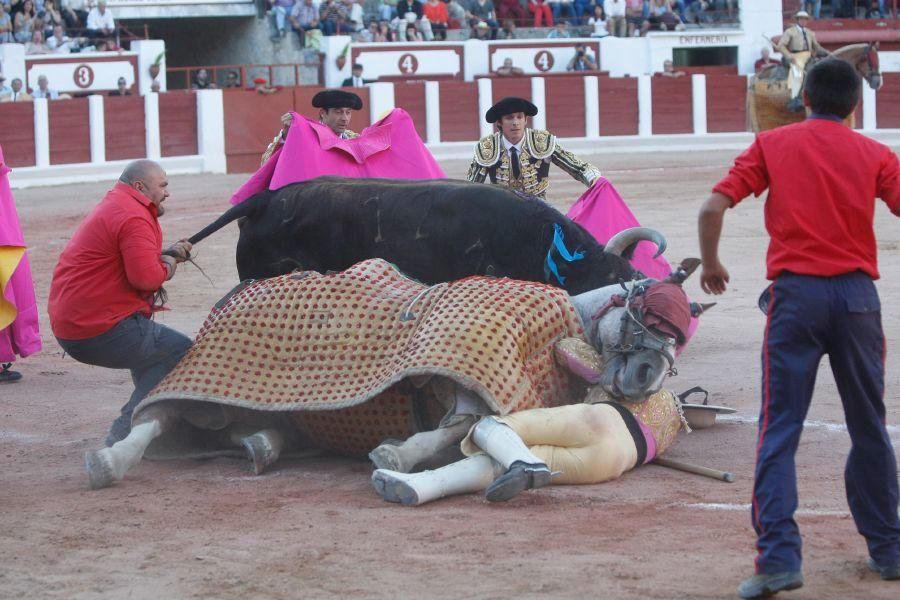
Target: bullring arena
(312,526)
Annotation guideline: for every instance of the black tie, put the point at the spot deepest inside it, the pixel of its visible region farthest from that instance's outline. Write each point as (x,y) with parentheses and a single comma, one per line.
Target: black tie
(805,41)
(514,161)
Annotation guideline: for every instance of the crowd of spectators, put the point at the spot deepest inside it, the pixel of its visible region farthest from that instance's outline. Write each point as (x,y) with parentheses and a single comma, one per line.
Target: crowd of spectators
(58,26)
(845,9)
(427,20)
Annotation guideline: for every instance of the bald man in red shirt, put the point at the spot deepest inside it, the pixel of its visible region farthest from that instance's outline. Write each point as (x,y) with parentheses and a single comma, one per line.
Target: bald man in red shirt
(105,285)
(823,179)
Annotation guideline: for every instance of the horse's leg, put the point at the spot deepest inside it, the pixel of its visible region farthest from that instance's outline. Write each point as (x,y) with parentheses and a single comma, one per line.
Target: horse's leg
(263,447)
(469,475)
(466,406)
(109,465)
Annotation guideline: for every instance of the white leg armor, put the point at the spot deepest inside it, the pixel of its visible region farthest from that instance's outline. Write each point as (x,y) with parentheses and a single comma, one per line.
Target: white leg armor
(502,443)
(469,475)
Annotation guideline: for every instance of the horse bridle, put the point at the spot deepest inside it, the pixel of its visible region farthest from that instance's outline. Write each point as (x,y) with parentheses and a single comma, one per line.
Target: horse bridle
(634,336)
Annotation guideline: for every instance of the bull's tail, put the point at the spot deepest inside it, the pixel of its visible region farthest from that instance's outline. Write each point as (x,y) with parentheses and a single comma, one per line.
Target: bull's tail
(244,209)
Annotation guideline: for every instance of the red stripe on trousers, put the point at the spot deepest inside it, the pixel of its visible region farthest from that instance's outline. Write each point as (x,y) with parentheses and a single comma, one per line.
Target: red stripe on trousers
(766,399)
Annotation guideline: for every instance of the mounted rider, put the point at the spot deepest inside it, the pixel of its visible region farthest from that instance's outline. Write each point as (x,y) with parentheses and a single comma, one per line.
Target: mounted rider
(519,157)
(798,45)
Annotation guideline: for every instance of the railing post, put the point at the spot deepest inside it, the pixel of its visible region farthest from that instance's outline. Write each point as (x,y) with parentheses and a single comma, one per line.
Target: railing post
(41,133)
(870,108)
(645,106)
(698,97)
(539,99)
(485,101)
(381,100)
(151,126)
(97,123)
(211,130)
(591,106)
(432,112)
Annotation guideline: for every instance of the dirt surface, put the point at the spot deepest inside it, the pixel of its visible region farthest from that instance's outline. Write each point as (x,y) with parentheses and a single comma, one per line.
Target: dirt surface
(315,528)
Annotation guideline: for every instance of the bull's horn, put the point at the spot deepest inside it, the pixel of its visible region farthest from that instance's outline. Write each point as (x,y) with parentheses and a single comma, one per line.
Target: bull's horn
(698,309)
(620,242)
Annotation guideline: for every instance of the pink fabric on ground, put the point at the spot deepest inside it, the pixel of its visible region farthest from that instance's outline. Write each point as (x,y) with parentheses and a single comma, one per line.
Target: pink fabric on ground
(390,148)
(603,212)
(22,337)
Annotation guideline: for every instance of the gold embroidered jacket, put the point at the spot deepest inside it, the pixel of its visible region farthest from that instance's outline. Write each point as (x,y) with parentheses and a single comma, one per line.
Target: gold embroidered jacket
(278,140)
(539,149)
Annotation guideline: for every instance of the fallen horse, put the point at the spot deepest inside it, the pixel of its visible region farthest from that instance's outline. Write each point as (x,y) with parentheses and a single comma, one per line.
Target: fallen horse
(347,360)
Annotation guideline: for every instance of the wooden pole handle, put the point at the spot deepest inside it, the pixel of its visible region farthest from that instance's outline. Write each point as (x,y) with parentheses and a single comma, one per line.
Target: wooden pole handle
(696,469)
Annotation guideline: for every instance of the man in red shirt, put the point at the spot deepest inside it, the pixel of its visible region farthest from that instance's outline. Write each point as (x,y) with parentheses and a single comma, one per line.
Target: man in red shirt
(823,179)
(104,287)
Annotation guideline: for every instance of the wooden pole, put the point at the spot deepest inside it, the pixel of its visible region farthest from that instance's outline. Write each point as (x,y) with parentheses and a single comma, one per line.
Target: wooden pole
(696,469)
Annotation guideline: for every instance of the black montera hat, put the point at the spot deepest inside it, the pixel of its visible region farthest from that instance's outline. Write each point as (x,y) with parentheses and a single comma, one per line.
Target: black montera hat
(508,106)
(337,99)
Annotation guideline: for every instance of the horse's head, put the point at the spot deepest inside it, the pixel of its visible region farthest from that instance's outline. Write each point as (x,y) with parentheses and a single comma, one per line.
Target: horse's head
(637,327)
(864,58)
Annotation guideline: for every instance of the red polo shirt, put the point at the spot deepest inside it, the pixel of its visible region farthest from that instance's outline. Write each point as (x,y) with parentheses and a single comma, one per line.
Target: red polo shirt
(823,179)
(110,269)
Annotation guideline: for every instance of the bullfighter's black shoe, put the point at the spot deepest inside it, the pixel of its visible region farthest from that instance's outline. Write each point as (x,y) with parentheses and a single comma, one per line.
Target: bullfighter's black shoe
(7,376)
(120,429)
(768,584)
(887,572)
(519,477)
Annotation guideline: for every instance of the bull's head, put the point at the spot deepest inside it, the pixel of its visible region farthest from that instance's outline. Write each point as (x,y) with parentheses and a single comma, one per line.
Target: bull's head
(637,327)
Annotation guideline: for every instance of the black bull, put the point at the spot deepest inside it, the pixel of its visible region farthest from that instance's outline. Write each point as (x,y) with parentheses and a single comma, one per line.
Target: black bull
(433,230)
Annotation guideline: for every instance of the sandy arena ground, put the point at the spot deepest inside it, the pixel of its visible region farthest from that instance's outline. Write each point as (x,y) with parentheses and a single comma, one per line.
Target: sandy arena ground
(315,528)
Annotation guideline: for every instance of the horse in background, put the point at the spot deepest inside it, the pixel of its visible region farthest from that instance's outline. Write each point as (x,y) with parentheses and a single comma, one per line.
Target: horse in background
(768,93)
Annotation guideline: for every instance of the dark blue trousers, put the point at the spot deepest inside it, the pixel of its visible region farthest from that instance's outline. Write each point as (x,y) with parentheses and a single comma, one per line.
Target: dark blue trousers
(807,318)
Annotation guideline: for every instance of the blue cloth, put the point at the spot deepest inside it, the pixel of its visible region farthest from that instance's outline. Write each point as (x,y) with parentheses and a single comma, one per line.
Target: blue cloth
(809,317)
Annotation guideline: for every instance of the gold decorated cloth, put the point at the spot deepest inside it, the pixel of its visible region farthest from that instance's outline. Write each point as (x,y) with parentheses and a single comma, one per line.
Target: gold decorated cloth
(341,351)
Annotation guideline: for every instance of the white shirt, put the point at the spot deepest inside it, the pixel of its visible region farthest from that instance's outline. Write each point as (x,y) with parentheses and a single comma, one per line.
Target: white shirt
(599,27)
(612,8)
(96,21)
(49,94)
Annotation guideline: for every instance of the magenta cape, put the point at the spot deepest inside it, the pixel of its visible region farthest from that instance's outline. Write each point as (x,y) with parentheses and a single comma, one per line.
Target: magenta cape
(390,148)
(22,336)
(603,212)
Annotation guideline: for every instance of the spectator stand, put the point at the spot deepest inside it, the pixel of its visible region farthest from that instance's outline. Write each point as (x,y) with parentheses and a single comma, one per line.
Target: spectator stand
(284,75)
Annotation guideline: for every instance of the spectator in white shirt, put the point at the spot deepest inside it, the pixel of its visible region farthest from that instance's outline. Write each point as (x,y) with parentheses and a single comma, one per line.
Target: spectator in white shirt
(100,22)
(615,15)
(60,42)
(37,45)
(598,23)
(43,90)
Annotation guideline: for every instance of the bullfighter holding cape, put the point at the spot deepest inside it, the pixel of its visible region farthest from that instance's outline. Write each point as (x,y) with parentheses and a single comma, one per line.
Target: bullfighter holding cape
(19,333)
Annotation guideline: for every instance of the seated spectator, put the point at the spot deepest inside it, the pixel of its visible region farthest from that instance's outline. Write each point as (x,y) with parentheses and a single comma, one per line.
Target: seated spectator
(17,94)
(37,45)
(634,16)
(661,18)
(669,70)
(615,15)
(436,13)
(100,22)
(59,42)
(542,12)
(232,80)
(52,17)
(304,17)
(23,22)
(354,15)
(508,70)
(385,33)
(582,61)
(6,25)
(813,7)
(412,34)
(367,35)
(121,88)
(559,31)
(510,10)
(598,23)
(5,90)
(765,61)
(261,86)
(356,77)
(332,17)
(280,9)
(876,10)
(457,13)
(43,90)
(202,81)
(70,15)
(562,8)
(405,7)
(482,11)
(509,30)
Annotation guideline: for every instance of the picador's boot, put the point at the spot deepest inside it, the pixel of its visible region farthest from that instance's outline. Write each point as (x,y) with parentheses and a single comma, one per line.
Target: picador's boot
(411,489)
(524,470)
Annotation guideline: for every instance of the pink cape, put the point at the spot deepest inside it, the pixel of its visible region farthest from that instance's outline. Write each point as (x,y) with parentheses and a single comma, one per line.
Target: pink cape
(390,148)
(603,212)
(22,337)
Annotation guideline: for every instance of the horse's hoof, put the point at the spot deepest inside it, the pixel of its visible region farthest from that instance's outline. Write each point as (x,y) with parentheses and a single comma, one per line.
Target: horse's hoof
(260,452)
(99,468)
(387,457)
(394,489)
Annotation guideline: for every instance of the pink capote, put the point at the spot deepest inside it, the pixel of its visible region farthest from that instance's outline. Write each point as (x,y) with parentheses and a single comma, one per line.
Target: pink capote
(390,148)
(22,337)
(603,212)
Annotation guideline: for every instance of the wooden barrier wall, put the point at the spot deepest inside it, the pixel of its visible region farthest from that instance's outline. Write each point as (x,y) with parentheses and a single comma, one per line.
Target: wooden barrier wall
(411,98)
(17,133)
(726,103)
(70,131)
(566,96)
(672,99)
(123,117)
(888,104)
(178,124)
(618,105)
(459,111)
